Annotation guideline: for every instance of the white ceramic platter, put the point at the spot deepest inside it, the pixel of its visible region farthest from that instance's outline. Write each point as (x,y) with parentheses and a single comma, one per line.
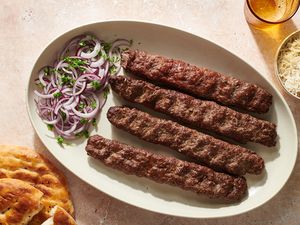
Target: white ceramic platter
(144,193)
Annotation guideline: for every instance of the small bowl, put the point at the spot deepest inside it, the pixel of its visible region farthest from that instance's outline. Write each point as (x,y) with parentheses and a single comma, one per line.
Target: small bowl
(284,42)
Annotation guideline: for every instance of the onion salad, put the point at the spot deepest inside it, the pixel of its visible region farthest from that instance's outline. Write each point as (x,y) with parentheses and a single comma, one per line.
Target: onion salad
(74,90)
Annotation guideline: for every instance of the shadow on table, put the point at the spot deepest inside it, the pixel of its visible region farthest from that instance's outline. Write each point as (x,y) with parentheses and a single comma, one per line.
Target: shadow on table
(269,39)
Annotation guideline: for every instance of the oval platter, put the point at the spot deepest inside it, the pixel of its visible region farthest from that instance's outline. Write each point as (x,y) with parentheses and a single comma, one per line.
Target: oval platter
(141,192)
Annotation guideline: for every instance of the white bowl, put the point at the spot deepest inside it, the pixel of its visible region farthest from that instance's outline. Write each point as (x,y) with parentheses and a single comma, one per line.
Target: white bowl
(284,42)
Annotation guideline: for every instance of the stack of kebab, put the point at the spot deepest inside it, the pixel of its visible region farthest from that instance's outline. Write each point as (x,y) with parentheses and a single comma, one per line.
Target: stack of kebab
(227,162)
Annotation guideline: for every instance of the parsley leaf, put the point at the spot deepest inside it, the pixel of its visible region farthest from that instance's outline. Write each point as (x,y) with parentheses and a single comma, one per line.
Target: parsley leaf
(112,69)
(39,85)
(65,79)
(60,140)
(83,121)
(96,85)
(74,62)
(82,43)
(83,133)
(50,126)
(105,92)
(114,59)
(46,70)
(82,69)
(103,55)
(107,46)
(93,105)
(81,106)
(86,134)
(63,115)
(57,95)
(94,122)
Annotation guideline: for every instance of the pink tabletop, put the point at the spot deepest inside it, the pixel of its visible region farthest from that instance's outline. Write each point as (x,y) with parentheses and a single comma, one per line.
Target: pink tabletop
(27,26)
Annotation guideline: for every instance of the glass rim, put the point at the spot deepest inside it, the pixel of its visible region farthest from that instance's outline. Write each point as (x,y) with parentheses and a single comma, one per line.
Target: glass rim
(267,21)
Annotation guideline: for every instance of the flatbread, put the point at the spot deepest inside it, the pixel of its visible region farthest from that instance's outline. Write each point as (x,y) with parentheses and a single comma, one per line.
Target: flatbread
(19,202)
(25,164)
(59,217)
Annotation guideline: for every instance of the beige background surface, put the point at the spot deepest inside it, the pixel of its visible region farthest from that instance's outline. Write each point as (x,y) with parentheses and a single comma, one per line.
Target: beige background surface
(27,26)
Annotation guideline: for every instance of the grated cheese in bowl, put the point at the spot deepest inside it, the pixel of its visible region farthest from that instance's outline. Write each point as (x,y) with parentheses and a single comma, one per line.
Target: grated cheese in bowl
(288,65)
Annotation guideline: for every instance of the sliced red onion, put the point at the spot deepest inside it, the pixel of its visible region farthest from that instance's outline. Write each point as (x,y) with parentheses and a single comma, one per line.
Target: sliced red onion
(66,113)
(45,95)
(83,87)
(47,88)
(101,72)
(59,104)
(55,121)
(92,53)
(73,43)
(98,63)
(118,43)
(54,79)
(89,115)
(73,104)
(74,74)
(67,71)
(41,76)
(80,129)
(69,102)
(77,98)
(72,129)
(67,91)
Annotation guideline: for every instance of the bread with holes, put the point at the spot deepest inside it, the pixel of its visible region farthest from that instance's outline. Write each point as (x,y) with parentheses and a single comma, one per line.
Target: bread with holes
(19,202)
(26,164)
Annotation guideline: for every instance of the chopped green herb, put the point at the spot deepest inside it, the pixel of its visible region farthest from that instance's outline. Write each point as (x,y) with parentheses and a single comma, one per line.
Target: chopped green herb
(60,140)
(103,55)
(83,121)
(99,53)
(50,126)
(112,69)
(114,59)
(94,104)
(86,134)
(105,92)
(59,70)
(39,85)
(63,115)
(57,95)
(74,62)
(96,85)
(83,133)
(130,42)
(81,105)
(82,69)
(46,70)
(65,79)
(107,46)
(94,122)
(82,43)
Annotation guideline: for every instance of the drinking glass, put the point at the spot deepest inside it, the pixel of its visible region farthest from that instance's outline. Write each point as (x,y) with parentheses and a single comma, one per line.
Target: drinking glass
(265,13)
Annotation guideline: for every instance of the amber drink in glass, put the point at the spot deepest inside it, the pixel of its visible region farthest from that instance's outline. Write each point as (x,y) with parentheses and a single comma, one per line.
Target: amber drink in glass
(265,13)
